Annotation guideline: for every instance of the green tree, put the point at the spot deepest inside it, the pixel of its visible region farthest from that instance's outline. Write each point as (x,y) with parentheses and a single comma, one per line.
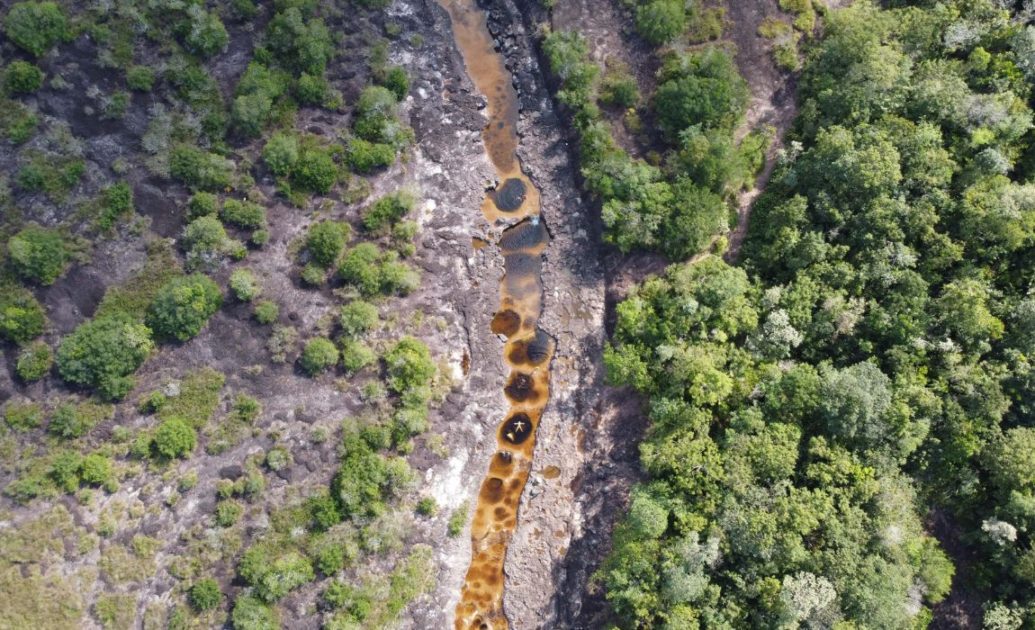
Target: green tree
(183,306)
(35,26)
(387,211)
(304,45)
(102,353)
(205,34)
(409,365)
(38,254)
(699,89)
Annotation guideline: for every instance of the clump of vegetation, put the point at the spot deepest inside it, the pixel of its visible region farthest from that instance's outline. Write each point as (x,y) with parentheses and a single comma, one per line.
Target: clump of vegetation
(39,254)
(326,240)
(175,438)
(319,355)
(266,312)
(387,211)
(140,78)
(21,77)
(103,353)
(205,594)
(74,421)
(457,521)
(661,21)
(23,416)
(34,361)
(21,315)
(200,169)
(183,306)
(373,272)
(244,285)
(35,26)
(357,317)
(206,242)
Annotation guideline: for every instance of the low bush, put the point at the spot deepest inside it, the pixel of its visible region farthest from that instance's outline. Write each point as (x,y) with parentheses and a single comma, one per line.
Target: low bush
(38,254)
(205,594)
(325,241)
(71,421)
(102,353)
(318,356)
(356,355)
(35,26)
(364,157)
(204,33)
(21,316)
(174,438)
(34,361)
(281,153)
(384,213)
(23,416)
(244,285)
(251,613)
(183,306)
(267,312)
(357,317)
(97,469)
(243,214)
(200,169)
(22,77)
(140,78)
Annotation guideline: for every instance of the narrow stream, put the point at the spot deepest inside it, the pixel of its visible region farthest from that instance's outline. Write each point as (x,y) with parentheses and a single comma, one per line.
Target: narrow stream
(528,349)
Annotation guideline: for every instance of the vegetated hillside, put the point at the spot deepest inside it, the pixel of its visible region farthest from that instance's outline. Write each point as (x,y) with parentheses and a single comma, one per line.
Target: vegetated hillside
(215,372)
(832,416)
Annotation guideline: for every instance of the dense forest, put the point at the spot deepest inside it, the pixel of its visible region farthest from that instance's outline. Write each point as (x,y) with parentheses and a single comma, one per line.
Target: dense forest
(861,380)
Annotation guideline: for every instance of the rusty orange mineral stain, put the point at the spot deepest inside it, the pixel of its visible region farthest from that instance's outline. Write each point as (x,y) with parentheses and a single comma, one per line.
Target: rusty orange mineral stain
(528,349)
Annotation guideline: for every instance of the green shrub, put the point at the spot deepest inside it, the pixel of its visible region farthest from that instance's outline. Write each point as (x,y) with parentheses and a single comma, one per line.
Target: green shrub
(619,88)
(366,479)
(200,169)
(244,285)
(702,88)
(427,506)
(318,356)
(116,203)
(258,97)
(356,355)
(311,90)
(22,77)
(202,204)
(244,214)
(228,513)
(661,21)
(175,438)
(278,458)
(315,170)
(205,594)
(324,514)
(325,240)
(387,211)
(267,312)
(140,78)
(364,157)
(23,416)
(102,353)
(281,153)
(97,469)
(357,317)
(376,117)
(21,315)
(205,34)
(206,242)
(183,306)
(397,82)
(313,275)
(35,26)
(359,268)
(74,421)
(34,361)
(38,254)
(409,365)
(457,521)
(273,580)
(300,44)
(246,408)
(250,613)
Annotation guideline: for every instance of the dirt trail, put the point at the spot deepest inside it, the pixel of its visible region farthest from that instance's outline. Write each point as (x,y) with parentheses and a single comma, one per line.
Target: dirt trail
(772,97)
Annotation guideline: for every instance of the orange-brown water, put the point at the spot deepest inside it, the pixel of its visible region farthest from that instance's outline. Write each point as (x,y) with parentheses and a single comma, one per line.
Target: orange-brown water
(528,349)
